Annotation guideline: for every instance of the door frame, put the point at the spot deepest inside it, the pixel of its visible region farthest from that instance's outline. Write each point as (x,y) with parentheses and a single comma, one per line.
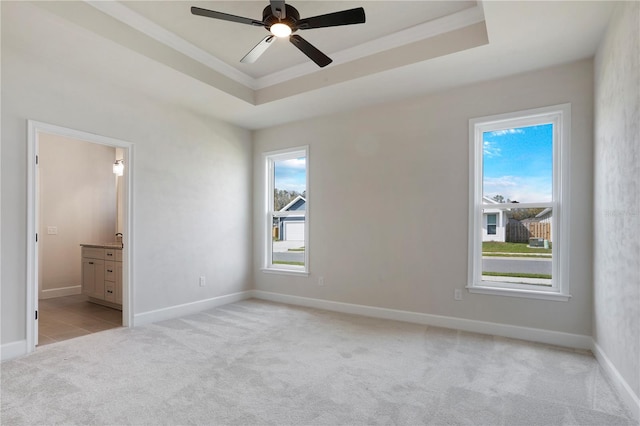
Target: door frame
(35,128)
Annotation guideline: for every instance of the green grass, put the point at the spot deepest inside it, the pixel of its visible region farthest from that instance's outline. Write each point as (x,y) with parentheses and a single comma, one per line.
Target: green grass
(495,246)
(286,262)
(517,275)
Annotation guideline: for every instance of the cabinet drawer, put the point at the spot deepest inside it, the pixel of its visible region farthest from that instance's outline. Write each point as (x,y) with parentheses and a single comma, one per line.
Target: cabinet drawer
(118,255)
(94,253)
(109,271)
(109,254)
(110,292)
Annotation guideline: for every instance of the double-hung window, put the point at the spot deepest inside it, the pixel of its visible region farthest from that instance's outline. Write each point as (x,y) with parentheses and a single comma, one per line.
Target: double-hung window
(286,213)
(518,219)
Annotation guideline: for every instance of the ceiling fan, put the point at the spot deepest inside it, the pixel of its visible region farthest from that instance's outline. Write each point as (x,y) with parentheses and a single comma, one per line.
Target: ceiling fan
(282,20)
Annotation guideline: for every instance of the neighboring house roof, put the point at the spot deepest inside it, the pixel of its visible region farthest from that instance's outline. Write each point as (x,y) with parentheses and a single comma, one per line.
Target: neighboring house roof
(489,200)
(544,212)
(298,203)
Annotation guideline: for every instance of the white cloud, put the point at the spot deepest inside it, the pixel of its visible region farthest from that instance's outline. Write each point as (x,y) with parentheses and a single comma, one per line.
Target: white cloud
(295,164)
(521,189)
(291,184)
(291,174)
(490,150)
(507,132)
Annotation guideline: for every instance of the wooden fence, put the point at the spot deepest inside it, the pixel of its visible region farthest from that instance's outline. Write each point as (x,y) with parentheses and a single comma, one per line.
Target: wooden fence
(520,232)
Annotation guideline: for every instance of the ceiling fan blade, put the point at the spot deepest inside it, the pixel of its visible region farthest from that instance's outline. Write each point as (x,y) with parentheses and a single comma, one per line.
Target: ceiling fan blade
(345,17)
(225,16)
(308,49)
(278,9)
(258,50)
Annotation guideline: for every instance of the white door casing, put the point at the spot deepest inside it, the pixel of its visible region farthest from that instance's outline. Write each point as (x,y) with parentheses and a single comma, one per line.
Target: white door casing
(36,128)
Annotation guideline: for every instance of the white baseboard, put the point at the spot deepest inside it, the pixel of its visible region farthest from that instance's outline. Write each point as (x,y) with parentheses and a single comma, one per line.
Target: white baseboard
(13,350)
(624,390)
(60,292)
(577,341)
(188,308)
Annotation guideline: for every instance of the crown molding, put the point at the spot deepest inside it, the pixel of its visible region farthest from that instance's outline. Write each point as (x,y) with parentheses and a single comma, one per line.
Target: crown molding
(135,20)
(416,33)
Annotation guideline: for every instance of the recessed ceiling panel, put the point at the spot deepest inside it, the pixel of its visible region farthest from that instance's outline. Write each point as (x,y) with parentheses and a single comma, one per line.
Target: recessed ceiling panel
(229,41)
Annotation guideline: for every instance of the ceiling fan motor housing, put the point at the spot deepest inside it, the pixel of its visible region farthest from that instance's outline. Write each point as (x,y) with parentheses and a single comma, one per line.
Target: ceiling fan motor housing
(292,16)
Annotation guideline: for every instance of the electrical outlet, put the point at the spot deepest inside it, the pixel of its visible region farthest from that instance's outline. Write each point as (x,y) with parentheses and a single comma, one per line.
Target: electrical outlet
(52,230)
(457,294)
(202,281)
(320,280)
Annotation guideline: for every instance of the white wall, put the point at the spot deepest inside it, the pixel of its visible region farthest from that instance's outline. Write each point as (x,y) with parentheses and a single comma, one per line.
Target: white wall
(78,198)
(388,199)
(617,195)
(192,204)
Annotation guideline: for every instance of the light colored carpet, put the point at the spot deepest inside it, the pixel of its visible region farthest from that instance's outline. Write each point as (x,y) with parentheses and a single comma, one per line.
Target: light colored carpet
(256,362)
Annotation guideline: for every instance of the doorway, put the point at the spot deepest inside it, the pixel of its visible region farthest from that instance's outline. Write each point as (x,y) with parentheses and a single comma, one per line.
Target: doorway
(62,300)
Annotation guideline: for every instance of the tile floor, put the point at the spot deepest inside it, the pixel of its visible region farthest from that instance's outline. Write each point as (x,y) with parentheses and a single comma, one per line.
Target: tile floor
(67,317)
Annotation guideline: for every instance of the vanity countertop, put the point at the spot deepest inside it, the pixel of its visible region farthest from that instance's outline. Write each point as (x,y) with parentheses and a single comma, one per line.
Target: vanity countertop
(112,245)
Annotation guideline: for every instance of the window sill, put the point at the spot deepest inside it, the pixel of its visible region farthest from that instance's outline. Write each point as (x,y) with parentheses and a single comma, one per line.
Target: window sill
(285,272)
(512,292)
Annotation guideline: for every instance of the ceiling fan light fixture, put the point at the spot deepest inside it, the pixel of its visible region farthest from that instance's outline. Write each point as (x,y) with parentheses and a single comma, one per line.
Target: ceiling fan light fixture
(280,30)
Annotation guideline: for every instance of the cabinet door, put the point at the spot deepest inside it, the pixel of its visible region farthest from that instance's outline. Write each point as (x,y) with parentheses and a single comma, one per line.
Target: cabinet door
(119,283)
(109,270)
(93,277)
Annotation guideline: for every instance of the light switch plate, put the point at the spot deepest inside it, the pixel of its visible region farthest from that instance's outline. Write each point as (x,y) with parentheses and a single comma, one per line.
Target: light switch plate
(52,230)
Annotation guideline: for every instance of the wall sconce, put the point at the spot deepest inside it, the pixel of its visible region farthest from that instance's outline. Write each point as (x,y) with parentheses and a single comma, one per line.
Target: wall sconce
(118,167)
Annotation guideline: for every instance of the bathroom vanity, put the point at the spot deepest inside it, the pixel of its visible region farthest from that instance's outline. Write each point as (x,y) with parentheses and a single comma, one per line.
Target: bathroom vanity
(102,274)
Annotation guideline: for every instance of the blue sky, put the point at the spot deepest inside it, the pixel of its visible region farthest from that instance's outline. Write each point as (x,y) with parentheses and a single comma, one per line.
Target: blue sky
(291,175)
(518,163)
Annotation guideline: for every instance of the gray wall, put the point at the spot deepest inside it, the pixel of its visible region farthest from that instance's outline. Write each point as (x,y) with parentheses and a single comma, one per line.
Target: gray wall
(617,194)
(188,168)
(389,201)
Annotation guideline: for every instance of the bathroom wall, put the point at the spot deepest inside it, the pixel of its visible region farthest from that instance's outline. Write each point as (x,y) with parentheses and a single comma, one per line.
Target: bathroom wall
(77,205)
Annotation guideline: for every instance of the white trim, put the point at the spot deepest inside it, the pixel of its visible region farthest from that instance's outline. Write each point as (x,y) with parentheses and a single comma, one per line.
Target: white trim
(514,292)
(34,128)
(445,24)
(556,338)
(158,33)
(418,32)
(284,271)
(624,390)
(268,160)
(189,308)
(560,117)
(60,292)
(292,202)
(32,230)
(13,350)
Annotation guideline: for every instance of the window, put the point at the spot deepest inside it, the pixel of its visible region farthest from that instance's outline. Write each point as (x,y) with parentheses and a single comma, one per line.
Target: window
(518,232)
(287,205)
(492,224)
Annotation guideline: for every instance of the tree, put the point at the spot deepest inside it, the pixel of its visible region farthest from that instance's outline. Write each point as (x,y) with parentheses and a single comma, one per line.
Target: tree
(282,197)
(520,214)
(517,214)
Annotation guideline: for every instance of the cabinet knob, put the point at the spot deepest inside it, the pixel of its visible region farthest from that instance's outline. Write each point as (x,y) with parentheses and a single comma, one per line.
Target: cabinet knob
(109,254)
(109,270)
(90,263)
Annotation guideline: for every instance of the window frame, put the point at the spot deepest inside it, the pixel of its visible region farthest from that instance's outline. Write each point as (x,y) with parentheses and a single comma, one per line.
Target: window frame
(560,117)
(269,160)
